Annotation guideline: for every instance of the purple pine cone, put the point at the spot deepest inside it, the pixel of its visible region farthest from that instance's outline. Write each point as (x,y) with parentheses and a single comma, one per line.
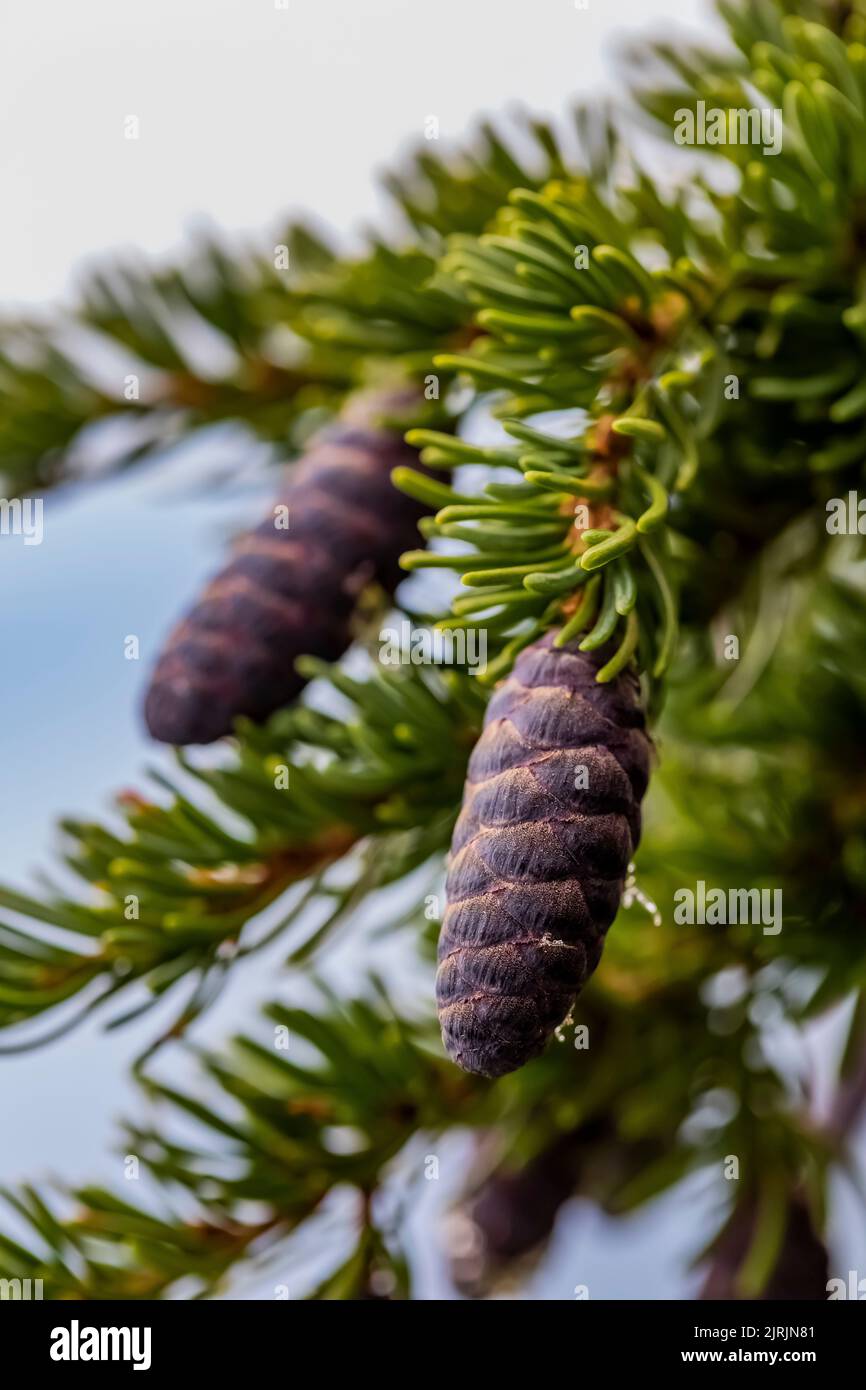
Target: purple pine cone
(287,592)
(550,820)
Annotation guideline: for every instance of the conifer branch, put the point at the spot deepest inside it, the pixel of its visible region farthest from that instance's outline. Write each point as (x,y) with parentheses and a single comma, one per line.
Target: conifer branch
(180,880)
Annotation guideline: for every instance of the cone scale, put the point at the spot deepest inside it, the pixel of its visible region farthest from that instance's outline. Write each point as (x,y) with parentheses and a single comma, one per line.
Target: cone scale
(549,823)
(289,590)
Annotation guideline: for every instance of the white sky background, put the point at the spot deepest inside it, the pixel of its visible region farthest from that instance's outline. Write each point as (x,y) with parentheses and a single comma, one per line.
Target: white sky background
(246,110)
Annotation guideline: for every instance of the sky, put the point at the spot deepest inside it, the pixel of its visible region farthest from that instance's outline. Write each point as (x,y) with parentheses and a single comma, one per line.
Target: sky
(245,109)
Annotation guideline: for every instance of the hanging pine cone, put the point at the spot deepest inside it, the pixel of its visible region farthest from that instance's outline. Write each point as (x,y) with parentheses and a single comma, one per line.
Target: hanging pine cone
(550,820)
(289,590)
